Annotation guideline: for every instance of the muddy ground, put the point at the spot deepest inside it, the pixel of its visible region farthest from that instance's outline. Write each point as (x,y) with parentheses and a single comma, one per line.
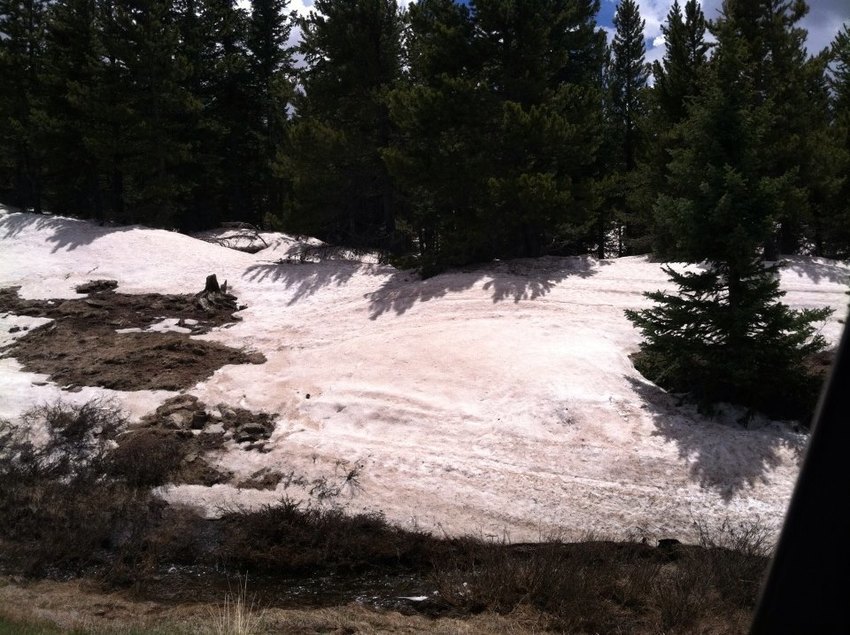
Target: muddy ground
(82,345)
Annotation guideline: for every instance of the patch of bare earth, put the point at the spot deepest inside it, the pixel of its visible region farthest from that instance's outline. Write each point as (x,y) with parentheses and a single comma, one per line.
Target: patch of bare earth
(81,346)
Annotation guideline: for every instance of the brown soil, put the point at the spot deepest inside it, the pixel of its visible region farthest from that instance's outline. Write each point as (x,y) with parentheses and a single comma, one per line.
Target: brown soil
(81,348)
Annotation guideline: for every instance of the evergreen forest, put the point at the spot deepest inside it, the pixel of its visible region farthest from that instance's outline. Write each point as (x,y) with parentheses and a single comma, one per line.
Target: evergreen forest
(446,134)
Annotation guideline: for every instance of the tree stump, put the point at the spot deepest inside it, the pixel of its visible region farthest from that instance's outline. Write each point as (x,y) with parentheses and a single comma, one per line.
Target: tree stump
(215,297)
(212,284)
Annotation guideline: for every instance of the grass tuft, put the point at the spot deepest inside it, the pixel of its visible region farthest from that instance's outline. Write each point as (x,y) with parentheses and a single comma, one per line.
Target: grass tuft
(238,614)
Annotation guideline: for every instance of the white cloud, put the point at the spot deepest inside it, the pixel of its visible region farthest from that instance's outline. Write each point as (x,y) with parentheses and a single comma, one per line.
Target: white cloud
(823,21)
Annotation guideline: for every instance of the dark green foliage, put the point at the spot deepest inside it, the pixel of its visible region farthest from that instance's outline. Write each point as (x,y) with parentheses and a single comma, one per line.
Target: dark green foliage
(725,336)
(626,77)
(76,121)
(341,188)
(678,81)
(499,139)
(835,217)
(21,60)
(677,75)
(271,91)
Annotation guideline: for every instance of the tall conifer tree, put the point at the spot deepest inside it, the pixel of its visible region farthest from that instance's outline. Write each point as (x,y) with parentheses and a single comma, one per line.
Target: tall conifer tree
(73,76)
(627,77)
(341,188)
(509,120)
(678,81)
(22,24)
(271,92)
(726,336)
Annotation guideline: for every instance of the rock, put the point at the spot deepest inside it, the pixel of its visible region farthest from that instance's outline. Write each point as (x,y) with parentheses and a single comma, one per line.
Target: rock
(256,358)
(181,402)
(96,286)
(257,429)
(179,420)
(71,307)
(14,329)
(261,479)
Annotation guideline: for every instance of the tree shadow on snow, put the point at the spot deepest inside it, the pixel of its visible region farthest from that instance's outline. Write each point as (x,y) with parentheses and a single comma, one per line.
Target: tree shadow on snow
(66,233)
(724,457)
(517,280)
(806,267)
(306,278)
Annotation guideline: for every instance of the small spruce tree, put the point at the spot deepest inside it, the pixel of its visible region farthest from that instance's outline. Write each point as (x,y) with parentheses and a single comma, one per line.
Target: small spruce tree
(725,336)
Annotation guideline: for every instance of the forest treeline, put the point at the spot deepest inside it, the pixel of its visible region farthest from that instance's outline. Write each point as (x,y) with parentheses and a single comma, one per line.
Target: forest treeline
(444,132)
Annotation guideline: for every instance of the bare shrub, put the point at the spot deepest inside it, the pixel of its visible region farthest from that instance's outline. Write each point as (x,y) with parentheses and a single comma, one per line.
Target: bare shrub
(736,558)
(587,587)
(58,510)
(292,537)
(146,458)
(59,439)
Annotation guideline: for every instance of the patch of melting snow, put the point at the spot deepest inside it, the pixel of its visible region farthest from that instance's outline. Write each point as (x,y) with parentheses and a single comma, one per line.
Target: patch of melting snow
(497,400)
(166,325)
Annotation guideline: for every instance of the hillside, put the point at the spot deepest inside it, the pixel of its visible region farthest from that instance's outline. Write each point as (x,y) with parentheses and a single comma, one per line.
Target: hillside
(496,401)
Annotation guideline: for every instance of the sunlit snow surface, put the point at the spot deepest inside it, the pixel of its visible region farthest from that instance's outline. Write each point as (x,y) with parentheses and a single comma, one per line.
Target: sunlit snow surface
(496,401)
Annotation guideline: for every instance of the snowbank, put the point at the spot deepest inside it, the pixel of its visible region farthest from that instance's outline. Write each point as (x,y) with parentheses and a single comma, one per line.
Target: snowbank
(497,400)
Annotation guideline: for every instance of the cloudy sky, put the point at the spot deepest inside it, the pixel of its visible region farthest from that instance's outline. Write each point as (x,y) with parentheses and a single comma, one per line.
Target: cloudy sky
(823,21)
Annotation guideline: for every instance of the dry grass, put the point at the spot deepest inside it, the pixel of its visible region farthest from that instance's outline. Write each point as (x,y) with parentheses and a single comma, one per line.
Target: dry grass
(51,607)
(239,614)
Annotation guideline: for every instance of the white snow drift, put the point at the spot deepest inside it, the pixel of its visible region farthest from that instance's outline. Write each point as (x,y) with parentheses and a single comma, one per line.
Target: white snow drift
(497,401)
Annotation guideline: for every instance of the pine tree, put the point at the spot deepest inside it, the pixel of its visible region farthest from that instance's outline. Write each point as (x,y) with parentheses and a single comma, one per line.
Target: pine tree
(686,52)
(627,77)
(224,150)
(782,70)
(152,105)
(501,128)
(438,110)
(79,120)
(834,223)
(21,59)
(726,336)
(271,92)
(341,188)
(546,122)
(678,81)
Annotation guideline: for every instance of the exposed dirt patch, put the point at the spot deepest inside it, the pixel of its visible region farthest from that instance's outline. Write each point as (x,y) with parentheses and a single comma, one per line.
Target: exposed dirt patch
(82,348)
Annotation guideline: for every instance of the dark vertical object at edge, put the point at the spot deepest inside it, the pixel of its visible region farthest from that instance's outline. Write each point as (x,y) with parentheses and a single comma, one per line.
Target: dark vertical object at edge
(807,589)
